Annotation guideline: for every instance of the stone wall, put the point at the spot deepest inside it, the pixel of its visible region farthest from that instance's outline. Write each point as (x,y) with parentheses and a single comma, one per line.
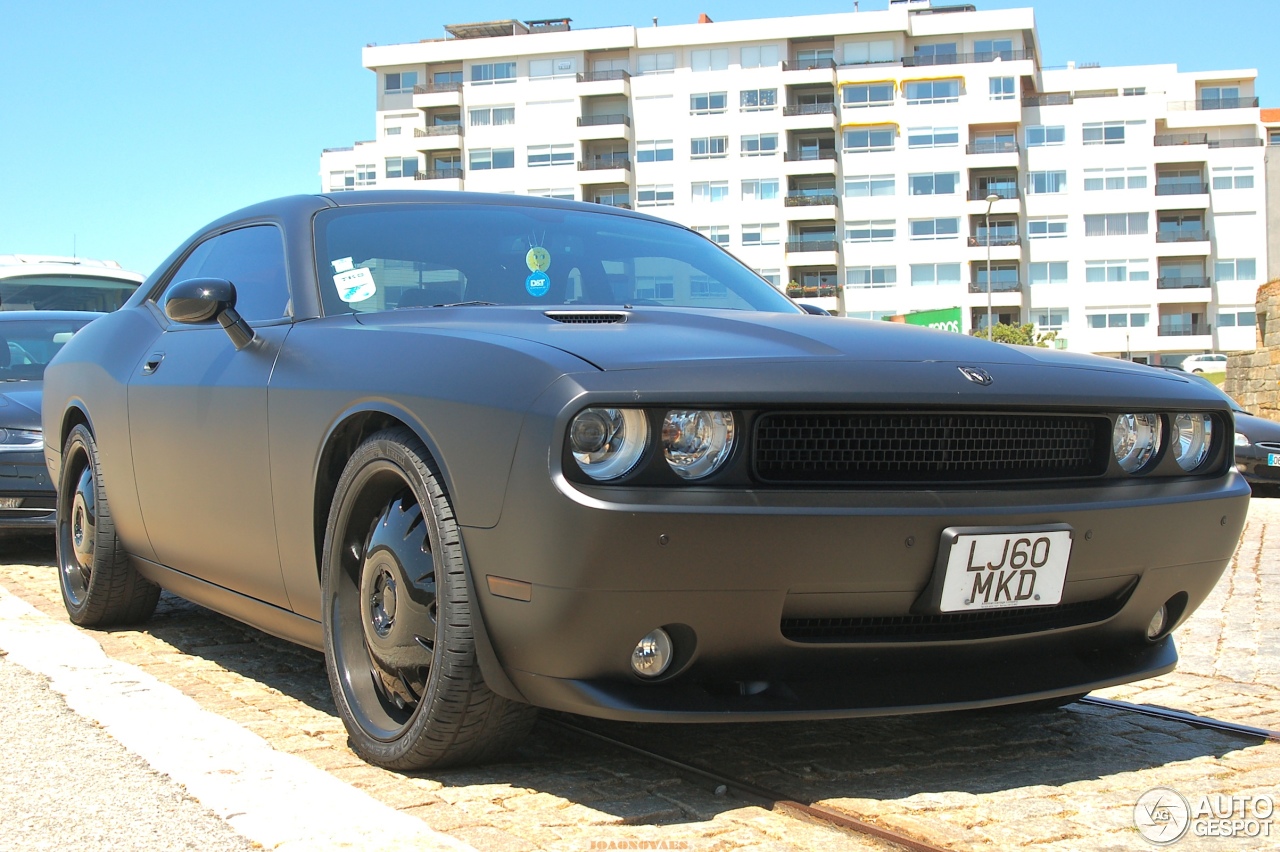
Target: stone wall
(1253,378)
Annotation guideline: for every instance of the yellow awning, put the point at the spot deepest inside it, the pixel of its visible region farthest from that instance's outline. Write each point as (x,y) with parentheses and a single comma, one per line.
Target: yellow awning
(892,124)
(933,79)
(893,83)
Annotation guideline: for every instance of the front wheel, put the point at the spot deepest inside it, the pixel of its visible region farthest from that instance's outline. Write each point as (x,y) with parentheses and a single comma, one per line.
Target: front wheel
(398,618)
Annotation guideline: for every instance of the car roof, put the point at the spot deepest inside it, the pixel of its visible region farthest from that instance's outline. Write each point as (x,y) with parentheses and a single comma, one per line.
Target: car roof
(16,316)
(24,265)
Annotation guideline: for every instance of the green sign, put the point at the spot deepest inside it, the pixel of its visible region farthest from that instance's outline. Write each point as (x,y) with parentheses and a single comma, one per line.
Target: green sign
(945,319)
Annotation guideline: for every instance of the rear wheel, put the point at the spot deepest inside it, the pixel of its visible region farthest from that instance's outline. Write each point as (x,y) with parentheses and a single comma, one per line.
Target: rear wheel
(398,618)
(99,586)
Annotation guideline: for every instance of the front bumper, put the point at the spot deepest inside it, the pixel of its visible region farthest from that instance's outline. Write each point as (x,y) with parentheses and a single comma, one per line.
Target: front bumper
(1252,461)
(24,477)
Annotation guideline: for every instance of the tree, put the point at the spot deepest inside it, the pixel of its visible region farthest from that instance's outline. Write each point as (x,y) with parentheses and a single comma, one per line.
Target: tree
(1018,335)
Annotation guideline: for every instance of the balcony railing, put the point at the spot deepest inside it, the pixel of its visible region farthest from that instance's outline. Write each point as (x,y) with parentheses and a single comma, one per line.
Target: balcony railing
(809,65)
(812,245)
(965,58)
(439,130)
(1187,330)
(801,156)
(811,291)
(995,240)
(1181,282)
(439,174)
(800,199)
(1253,142)
(602,120)
(1051,99)
(1182,235)
(809,109)
(1005,192)
(992,147)
(1215,103)
(598,163)
(1182,139)
(996,287)
(625,205)
(432,88)
(1181,188)
(603,76)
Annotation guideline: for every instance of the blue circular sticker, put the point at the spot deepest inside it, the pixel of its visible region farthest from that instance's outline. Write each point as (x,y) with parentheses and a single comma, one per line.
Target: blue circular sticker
(538,284)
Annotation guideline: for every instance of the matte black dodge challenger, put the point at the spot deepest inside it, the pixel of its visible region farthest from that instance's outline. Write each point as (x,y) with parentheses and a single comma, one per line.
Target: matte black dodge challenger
(494,453)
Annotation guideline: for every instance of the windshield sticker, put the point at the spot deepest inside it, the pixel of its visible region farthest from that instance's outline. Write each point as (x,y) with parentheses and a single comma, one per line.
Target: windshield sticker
(538,283)
(538,259)
(355,285)
(342,264)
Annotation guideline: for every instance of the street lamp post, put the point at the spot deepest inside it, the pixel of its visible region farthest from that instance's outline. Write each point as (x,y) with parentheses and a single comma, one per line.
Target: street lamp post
(991,199)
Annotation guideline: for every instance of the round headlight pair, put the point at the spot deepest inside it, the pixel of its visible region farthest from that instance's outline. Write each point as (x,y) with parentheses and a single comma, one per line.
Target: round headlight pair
(609,442)
(1135,440)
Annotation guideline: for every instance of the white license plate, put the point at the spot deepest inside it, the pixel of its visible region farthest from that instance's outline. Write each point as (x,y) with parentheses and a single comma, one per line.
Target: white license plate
(1006,569)
(1273,459)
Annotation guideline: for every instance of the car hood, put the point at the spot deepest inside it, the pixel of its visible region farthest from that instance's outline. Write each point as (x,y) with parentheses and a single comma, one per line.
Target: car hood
(1257,429)
(20,405)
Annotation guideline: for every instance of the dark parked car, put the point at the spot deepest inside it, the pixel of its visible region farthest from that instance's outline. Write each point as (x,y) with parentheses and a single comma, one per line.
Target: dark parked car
(495,453)
(28,340)
(1257,444)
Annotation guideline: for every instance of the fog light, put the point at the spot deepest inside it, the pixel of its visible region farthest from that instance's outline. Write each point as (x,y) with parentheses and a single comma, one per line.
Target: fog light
(1156,627)
(652,655)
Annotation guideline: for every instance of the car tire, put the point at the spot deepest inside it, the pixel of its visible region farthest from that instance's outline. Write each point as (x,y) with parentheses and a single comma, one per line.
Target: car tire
(100,588)
(398,617)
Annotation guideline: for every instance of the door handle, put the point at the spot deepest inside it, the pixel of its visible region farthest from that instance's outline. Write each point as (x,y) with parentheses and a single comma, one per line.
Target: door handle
(152,363)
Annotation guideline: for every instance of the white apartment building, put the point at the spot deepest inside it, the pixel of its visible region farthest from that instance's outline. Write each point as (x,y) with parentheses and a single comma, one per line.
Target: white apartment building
(849,158)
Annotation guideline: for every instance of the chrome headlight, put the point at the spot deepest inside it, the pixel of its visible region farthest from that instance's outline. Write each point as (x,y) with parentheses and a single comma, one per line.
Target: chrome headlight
(1192,435)
(696,443)
(1242,440)
(20,439)
(1135,440)
(608,442)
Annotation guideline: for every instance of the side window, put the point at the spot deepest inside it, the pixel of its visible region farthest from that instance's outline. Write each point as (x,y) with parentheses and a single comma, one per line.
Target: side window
(250,258)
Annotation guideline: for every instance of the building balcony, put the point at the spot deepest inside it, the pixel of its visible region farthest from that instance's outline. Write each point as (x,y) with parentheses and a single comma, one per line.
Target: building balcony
(809,109)
(622,205)
(809,65)
(598,83)
(597,127)
(1003,192)
(1182,282)
(1184,330)
(812,245)
(437,137)
(1215,103)
(802,199)
(1050,99)
(429,95)
(1182,188)
(996,287)
(604,120)
(444,178)
(1167,139)
(991,147)
(603,163)
(1250,142)
(809,117)
(984,240)
(801,163)
(809,156)
(1182,235)
(966,58)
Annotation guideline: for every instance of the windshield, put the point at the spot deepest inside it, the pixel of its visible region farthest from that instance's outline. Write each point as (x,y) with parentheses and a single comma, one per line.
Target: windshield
(64,293)
(380,257)
(26,346)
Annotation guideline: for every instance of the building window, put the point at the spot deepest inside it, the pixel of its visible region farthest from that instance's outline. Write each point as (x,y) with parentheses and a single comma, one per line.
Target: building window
(1233,317)
(718,234)
(396,167)
(933,183)
(1050,319)
(655,195)
(762,56)
(867,95)
(1101,180)
(934,273)
(1046,227)
(708,103)
(815,57)
(868,139)
(943,53)
(1049,272)
(708,147)
(1133,91)
(484,159)
(988,49)
(391,131)
(1039,135)
(947,228)
(760,234)
(716,59)
(1100,271)
(487,116)
(1118,319)
(400,83)
(773,276)
(1115,224)
(757,100)
(710,191)
(563,193)
(1044,183)
(933,137)
(1236,269)
(760,145)
(871,277)
(341,181)
(765,189)
(1104,133)
(1240,177)
(367,174)
(654,151)
(493,72)
(868,52)
(865,186)
(873,231)
(550,155)
(932,91)
(1001,89)
(655,287)
(655,63)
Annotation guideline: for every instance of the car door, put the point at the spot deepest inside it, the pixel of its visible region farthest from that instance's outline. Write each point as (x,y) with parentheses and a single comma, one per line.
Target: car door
(198,422)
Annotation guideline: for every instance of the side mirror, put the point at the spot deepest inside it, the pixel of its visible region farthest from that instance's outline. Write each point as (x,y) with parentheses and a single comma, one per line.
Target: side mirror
(198,300)
(813,309)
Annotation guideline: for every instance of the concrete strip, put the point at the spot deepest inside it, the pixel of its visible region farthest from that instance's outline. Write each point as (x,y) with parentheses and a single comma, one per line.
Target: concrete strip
(275,799)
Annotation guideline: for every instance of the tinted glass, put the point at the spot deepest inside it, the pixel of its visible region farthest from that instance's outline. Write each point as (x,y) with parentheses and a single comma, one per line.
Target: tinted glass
(250,258)
(375,257)
(64,293)
(26,346)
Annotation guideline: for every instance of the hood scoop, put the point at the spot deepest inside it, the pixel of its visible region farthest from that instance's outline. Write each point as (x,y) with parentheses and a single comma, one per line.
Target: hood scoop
(587,317)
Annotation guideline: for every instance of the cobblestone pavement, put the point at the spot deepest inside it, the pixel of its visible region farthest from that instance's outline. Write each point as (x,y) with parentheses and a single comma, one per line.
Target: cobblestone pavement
(1059,780)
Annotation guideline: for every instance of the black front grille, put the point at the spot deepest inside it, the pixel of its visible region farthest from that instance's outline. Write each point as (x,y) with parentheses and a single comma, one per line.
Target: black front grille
(983,624)
(845,447)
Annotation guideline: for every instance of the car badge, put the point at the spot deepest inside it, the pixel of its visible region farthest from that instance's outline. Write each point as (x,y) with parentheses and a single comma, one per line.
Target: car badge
(976,375)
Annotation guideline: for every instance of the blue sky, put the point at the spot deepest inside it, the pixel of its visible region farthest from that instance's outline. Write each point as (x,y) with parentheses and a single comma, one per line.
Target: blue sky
(125,126)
